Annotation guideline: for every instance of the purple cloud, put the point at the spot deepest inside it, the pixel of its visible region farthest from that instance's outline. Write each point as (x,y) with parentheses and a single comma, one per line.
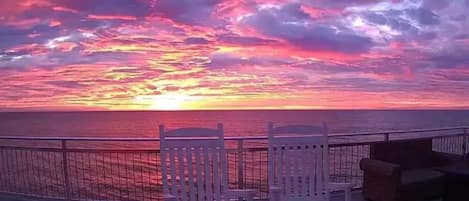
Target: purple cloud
(457,57)
(109,7)
(290,23)
(196,41)
(65,84)
(391,18)
(13,36)
(431,4)
(192,12)
(423,16)
(227,60)
(243,40)
(339,3)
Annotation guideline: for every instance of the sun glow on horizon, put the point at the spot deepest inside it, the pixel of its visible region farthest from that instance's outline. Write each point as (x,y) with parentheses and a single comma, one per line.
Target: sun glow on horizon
(167,101)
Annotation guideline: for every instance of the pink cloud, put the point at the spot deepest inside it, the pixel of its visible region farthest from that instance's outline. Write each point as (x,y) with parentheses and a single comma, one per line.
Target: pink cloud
(111,17)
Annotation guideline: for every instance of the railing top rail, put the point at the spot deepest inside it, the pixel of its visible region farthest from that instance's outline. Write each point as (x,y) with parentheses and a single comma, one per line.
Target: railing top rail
(400,131)
(77,138)
(230,138)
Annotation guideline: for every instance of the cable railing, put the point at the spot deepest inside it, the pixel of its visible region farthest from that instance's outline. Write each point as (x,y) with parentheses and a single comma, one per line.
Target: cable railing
(74,168)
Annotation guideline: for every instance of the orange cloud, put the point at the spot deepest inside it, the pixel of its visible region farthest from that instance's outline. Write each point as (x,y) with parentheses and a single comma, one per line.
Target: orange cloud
(64,9)
(54,23)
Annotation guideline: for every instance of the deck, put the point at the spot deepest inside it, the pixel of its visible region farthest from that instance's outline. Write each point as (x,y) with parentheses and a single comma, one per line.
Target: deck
(356,196)
(129,168)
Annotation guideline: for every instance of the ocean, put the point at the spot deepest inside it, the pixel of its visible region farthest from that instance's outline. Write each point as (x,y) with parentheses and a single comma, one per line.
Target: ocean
(131,170)
(236,123)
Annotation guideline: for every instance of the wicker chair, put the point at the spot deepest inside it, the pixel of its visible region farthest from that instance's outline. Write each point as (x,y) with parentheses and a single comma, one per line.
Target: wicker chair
(402,171)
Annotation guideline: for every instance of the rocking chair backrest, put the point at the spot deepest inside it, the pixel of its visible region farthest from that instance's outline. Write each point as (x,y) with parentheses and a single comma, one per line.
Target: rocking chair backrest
(194,163)
(298,162)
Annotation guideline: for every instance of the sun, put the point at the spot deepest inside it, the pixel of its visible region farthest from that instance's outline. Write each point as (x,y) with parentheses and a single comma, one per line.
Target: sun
(167,101)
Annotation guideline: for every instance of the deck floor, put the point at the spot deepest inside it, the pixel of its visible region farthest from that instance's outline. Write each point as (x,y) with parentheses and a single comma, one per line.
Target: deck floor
(356,196)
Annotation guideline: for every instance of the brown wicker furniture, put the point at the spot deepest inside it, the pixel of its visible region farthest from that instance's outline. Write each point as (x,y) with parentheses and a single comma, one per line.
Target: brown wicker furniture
(456,182)
(402,171)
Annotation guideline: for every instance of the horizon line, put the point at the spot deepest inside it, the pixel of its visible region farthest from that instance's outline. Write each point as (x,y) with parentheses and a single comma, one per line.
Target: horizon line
(253,109)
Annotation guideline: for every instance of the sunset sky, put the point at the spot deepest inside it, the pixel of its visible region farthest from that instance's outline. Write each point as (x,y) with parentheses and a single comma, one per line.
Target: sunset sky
(233,54)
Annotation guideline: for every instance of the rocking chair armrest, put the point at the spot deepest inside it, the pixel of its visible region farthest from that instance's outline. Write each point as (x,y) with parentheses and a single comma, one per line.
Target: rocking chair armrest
(346,187)
(169,197)
(244,193)
(275,189)
(340,186)
(275,193)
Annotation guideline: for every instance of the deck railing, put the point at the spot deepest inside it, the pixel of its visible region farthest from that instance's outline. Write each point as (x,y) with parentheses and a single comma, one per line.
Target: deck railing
(73,168)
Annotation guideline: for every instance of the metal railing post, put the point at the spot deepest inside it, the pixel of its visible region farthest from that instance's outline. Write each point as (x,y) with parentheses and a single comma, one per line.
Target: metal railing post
(464,144)
(65,170)
(386,137)
(240,164)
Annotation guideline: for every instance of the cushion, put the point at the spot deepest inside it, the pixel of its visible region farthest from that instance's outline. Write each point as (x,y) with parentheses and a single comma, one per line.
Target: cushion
(420,176)
(421,184)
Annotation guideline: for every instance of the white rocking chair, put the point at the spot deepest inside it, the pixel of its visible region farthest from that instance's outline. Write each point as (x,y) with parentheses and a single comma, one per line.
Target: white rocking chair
(194,166)
(299,164)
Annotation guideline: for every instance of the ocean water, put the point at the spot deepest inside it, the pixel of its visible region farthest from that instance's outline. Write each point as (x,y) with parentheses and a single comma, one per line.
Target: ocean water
(102,171)
(236,123)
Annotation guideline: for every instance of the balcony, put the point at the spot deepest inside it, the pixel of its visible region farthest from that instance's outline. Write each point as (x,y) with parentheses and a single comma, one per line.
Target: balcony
(55,168)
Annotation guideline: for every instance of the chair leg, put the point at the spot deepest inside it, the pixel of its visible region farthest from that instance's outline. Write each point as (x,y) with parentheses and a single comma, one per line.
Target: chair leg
(275,194)
(348,194)
(169,198)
